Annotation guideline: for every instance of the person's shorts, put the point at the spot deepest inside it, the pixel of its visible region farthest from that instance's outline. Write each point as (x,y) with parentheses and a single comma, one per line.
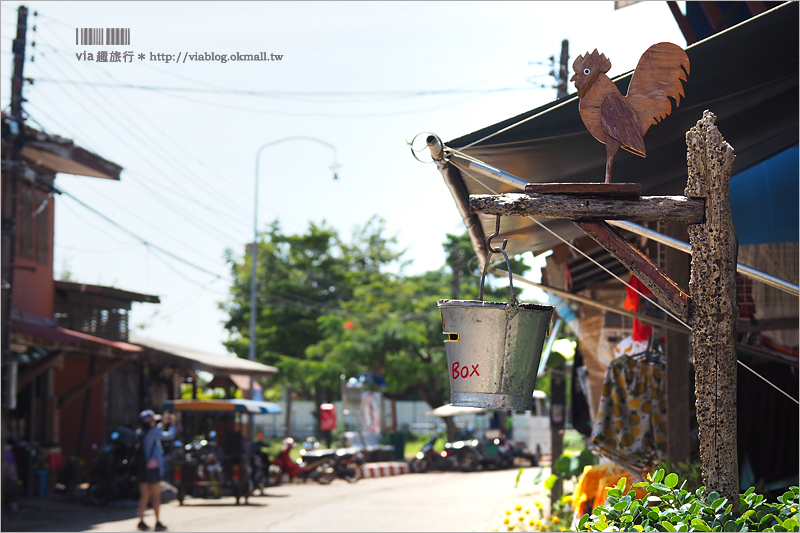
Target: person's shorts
(152,475)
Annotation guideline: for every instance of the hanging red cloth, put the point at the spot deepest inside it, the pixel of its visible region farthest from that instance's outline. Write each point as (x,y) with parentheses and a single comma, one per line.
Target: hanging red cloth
(635,303)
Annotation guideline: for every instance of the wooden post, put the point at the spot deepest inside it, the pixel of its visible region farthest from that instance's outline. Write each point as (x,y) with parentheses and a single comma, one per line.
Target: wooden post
(558,408)
(713,308)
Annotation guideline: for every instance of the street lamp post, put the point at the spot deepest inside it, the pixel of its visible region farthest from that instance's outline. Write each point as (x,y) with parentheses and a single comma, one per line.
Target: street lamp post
(255,244)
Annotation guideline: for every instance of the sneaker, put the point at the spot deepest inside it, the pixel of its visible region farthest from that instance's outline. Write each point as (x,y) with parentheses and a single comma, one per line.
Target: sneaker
(142,526)
(160,527)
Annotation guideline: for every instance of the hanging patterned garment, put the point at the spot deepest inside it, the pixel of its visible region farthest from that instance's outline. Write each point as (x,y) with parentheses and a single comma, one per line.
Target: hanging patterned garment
(631,424)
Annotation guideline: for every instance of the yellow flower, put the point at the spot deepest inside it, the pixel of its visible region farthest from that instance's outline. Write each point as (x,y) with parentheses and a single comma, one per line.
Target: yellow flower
(527,511)
(508,512)
(506,521)
(555,519)
(538,505)
(518,508)
(531,522)
(568,498)
(521,518)
(511,528)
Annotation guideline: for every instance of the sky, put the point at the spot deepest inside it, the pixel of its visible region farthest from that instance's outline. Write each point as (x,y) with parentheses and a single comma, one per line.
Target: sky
(360,78)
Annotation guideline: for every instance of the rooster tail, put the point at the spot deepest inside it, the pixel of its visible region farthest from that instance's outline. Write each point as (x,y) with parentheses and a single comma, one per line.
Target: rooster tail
(658,78)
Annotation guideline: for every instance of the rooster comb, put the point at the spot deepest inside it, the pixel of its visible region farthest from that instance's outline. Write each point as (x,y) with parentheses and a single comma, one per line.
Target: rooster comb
(595,58)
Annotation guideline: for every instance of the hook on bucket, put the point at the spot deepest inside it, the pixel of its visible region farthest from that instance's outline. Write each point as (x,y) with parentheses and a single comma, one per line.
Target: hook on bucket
(502,250)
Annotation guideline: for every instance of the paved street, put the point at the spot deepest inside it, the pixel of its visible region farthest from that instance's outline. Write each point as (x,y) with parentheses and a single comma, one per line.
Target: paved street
(437,501)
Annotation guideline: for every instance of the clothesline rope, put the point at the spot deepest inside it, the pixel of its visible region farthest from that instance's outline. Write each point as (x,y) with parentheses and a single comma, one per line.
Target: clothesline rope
(464,170)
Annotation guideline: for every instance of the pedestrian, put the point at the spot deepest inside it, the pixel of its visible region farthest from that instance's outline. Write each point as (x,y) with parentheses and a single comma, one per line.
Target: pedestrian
(152,431)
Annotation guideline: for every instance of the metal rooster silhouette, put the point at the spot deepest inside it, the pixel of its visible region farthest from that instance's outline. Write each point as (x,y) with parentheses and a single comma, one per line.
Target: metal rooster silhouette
(622,121)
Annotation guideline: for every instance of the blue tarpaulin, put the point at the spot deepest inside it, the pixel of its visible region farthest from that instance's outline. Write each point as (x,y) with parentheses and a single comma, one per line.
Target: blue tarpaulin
(764,202)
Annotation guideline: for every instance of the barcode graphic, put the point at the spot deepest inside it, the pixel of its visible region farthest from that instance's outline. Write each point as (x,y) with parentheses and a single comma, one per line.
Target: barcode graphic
(102,36)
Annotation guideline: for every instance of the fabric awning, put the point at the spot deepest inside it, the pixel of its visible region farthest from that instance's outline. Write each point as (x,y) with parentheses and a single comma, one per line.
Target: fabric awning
(21,331)
(747,76)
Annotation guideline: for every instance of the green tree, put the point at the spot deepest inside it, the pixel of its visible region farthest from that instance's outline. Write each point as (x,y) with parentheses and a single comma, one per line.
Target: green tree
(326,307)
(397,327)
(300,278)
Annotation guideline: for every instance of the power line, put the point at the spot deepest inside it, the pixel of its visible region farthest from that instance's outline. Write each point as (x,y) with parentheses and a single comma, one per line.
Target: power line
(291,95)
(140,239)
(197,221)
(216,194)
(158,228)
(135,181)
(201,222)
(98,250)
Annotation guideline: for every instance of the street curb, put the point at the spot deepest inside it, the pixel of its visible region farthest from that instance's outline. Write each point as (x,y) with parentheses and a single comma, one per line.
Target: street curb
(389,468)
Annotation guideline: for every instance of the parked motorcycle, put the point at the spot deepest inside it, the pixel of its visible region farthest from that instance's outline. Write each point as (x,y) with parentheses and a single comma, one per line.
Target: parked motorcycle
(259,467)
(487,453)
(350,464)
(428,459)
(496,453)
(319,467)
(465,454)
(113,476)
(202,460)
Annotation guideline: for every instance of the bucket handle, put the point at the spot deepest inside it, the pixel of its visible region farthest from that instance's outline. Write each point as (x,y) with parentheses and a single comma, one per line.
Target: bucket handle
(502,250)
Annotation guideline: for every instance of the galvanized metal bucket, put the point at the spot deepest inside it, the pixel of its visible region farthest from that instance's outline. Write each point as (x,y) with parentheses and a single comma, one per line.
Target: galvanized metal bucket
(493,348)
(493,351)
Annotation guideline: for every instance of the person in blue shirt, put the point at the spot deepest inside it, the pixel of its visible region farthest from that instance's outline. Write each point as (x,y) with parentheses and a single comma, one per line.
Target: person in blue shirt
(153,430)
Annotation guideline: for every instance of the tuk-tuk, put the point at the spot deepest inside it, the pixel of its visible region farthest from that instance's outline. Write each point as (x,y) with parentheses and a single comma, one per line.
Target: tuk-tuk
(214,459)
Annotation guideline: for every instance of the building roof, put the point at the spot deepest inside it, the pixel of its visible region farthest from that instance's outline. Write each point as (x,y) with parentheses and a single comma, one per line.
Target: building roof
(49,153)
(190,358)
(106,292)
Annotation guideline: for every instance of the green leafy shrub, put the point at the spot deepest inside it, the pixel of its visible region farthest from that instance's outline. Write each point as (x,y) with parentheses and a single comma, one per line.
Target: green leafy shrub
(687,471)
(569,466)
(668,508)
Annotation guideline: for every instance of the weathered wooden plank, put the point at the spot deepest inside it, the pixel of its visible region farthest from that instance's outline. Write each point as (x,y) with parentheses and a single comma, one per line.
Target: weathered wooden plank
(577,207)
(714,310)
(663,288)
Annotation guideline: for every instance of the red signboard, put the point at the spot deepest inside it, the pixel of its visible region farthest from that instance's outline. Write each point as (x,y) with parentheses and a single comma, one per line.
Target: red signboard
(327,417)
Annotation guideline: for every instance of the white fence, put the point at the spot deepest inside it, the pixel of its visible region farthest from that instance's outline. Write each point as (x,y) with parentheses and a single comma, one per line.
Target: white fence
(410,415)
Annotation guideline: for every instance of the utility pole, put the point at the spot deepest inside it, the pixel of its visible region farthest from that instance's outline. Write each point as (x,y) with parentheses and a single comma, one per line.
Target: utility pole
(9,213)
(563,71)
(10,193)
